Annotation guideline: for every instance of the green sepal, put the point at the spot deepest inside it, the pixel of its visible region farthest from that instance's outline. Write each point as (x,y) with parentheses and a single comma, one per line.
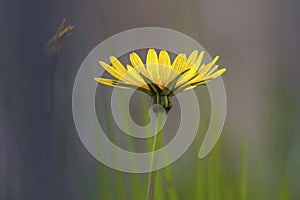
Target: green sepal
(134,87)
(170,87)
(153,87)
(180,89)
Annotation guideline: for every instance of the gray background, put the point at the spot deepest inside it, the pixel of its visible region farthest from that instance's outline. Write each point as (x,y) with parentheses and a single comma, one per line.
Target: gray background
(41,156)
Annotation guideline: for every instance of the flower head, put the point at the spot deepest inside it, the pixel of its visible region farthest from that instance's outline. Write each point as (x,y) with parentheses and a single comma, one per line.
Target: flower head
(159,77)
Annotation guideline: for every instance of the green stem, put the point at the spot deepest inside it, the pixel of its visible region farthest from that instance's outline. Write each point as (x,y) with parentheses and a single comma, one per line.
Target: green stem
(160,119)
(169,181)
(243,170)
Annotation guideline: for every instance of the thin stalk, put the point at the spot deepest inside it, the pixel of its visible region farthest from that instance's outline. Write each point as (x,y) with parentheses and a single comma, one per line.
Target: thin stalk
(52,83)
(160,118)
(200,180)
(243,170)
(119,176)
(159,194)
(169,181)
(129,142)
(50,67)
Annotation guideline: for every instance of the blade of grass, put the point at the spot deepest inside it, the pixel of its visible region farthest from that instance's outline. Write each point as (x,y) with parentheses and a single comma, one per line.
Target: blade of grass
(243,170)
(200,181)
(160,118)
(129,143)
(102,177)
(211,192)
(169,181)
(119,178)
(285,186)
(217,165)
(159,186)
(159,192)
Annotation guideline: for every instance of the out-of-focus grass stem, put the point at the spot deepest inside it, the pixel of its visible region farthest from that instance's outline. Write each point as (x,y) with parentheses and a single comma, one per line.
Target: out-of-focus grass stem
(160,118)
(129,142)
(243,170)
(169,181)
(119,178)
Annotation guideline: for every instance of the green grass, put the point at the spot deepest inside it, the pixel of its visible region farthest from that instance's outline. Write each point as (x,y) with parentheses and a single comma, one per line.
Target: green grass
(209,180)
(227,173)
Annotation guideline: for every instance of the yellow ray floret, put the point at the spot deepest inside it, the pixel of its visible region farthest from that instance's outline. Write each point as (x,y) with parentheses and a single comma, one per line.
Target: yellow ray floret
(159,73)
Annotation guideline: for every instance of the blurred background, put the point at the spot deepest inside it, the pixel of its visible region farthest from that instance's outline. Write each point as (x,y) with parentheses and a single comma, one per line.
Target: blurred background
(257,156)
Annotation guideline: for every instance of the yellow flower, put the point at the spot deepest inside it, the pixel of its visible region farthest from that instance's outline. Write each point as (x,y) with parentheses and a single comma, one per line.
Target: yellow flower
(159,77)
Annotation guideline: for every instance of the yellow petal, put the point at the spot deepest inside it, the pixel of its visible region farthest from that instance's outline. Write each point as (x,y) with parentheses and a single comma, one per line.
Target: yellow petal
(212,70)
(197,78)
(121,76)
(117,64)
(189,88)
(129,68)
(178,62)
(192,57)
(152,57)
(134,75)
(184,64)
(192,87)
(176,66)
(109,82)
(207,78)
(135,60)
(164,66)
(137,63)
(186,77)
(110,70)
(152,65)
(192,69)
(199,59)
(106,81)
(204,69)
(164,58)
(216,74)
